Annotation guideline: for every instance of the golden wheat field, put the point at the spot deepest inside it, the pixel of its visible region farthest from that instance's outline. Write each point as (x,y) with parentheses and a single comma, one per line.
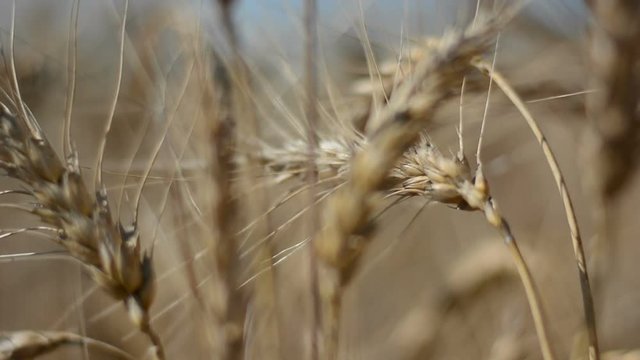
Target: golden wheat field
(319,179)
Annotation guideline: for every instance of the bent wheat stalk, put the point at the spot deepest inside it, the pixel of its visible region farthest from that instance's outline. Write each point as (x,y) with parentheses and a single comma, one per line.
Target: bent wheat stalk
(576,239)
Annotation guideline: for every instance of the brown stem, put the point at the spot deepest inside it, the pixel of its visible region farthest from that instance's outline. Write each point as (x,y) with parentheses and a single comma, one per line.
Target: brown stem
(533,295)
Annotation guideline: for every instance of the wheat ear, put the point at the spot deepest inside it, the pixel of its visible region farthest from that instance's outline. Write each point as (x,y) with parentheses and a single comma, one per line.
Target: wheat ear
(450,181)
(347,226)
(223,208)
(85,225)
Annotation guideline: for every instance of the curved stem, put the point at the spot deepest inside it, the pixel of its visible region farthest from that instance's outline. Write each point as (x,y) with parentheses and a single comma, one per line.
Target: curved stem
(154,338)
(585,285)
(533,295)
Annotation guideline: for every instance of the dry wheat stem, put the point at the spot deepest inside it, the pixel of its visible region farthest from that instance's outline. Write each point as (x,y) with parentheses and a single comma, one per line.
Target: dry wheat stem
(576,239)
(264,299)
(225,92)
(223,241)
(533,295)
(340,243)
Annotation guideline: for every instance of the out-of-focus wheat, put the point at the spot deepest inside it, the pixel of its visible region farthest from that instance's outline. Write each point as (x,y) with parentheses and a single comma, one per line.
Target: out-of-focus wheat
(30,344)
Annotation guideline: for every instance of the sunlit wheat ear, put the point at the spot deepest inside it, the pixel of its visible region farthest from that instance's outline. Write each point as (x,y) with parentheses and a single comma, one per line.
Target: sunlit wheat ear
(30,344)
(451,181)
(111,253)
(347,216)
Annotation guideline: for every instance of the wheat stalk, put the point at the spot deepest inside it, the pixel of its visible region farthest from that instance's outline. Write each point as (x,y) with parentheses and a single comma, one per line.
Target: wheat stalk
(576,238)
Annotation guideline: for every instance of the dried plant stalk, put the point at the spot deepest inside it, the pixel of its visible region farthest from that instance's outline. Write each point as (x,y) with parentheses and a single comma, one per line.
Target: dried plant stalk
(230,311)
(576,239)
(229,86)
(340,243)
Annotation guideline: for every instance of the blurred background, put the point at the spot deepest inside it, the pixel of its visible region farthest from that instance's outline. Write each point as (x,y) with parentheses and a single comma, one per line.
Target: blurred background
(436,283)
